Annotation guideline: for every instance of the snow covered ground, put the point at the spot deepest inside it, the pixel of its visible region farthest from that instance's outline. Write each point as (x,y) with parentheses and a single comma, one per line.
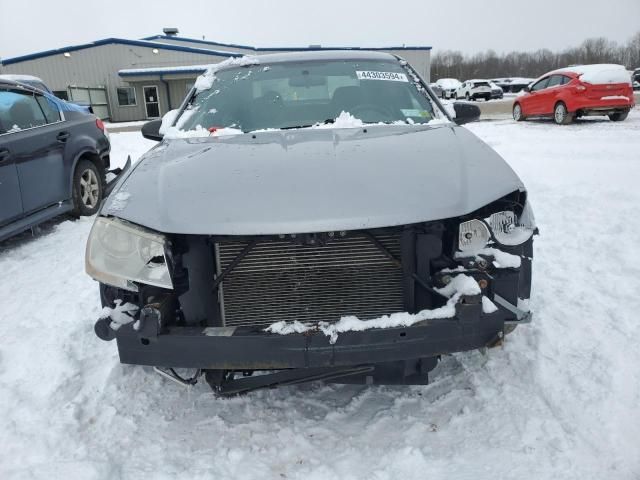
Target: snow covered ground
(560,400)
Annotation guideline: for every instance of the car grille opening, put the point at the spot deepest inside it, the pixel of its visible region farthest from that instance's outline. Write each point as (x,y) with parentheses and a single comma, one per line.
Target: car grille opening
(282,279)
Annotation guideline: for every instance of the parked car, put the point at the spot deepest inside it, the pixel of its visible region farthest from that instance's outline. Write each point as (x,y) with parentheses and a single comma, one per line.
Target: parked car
(449,86)
(39,84)
(513,84)
(636,79)
(496,92)
(437,90)
(51,161)
(294,202)
(573,92)
(473,90)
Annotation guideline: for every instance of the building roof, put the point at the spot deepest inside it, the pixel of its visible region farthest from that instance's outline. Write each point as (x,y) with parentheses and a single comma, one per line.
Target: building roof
(116,41)
(154,42)
(277,49)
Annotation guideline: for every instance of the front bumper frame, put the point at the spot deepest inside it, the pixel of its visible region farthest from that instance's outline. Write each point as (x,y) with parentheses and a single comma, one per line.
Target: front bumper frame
(246,349)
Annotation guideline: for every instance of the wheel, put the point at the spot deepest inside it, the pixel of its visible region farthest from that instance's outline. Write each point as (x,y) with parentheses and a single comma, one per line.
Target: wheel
(618,116)
(560,114)
(466,96)
(517,113)
(455,95)
(87,188)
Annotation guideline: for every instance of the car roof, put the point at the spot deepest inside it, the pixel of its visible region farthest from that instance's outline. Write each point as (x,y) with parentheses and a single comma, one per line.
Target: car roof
(324,55)
(5,82)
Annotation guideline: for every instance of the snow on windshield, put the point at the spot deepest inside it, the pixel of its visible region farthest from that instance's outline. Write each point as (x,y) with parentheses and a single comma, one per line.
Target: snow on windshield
(205,81)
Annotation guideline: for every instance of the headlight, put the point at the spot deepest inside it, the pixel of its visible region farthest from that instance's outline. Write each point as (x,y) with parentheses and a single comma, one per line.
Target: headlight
(119,253)
(473,235)
(508,229)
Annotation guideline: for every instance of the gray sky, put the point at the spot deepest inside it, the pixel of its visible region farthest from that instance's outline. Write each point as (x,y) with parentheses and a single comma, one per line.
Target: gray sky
(467,25)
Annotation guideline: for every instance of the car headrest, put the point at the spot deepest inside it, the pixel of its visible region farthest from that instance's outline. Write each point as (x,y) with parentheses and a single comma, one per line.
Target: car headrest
(21,114)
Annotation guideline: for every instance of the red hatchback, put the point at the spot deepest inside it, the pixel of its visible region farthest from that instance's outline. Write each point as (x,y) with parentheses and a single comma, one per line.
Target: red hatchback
(572,92)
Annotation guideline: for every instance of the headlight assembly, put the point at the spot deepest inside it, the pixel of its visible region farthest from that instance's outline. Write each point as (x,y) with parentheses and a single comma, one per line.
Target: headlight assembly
(510,230)
(119,254)
(504,228)
(473,235)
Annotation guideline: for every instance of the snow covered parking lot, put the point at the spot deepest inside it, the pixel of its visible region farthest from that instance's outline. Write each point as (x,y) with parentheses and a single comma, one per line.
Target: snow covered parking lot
(560,400)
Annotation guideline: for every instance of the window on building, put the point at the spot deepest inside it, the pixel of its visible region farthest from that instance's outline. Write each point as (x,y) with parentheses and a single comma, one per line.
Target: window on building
(126,96)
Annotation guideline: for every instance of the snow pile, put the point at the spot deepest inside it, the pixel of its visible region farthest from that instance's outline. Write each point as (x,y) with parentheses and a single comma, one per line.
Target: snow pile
(205,81)
(344,120)
(121,314)
(167,121)
(602,73)
(460,285)
(501,259)
(169,131)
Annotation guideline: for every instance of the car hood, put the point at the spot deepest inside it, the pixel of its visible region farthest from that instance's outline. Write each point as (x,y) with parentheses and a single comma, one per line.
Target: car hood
(311,180)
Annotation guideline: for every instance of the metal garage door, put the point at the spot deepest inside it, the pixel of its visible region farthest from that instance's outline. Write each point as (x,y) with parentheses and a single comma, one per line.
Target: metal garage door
(94,96)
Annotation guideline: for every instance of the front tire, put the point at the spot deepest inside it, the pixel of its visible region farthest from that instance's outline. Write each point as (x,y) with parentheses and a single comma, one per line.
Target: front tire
(618,116)
(87,188)
(561,115)
(517,113)
(466,96)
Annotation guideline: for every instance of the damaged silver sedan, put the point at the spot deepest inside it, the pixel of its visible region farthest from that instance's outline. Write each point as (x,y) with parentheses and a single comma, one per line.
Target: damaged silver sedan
(311,216)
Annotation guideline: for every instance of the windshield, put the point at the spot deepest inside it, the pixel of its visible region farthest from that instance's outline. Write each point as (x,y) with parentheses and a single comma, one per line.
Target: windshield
(303,94)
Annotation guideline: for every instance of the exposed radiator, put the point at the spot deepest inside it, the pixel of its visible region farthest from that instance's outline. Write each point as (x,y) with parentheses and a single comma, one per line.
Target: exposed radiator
(285,280)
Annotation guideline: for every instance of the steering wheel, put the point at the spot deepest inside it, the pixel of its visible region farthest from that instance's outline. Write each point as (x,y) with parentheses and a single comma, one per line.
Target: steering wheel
(359,110)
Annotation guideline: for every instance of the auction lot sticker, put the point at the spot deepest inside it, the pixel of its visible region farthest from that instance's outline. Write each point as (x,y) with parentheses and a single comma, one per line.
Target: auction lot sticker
(389,76)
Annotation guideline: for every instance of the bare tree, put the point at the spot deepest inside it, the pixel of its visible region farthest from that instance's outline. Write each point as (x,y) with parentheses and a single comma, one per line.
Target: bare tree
(452,63)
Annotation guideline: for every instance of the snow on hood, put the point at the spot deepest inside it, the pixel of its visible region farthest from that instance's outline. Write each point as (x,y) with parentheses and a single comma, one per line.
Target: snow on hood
(313,180)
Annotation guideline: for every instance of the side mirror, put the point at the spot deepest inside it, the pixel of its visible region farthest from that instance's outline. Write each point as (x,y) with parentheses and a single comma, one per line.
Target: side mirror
(527,88)
(151,130)
(466,112)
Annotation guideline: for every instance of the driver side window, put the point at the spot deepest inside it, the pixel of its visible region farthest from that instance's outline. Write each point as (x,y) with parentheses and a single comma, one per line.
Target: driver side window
(542,84)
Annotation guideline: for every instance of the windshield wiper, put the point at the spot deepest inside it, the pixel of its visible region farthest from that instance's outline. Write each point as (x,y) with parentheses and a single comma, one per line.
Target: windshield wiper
(326,122)
(295,126)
